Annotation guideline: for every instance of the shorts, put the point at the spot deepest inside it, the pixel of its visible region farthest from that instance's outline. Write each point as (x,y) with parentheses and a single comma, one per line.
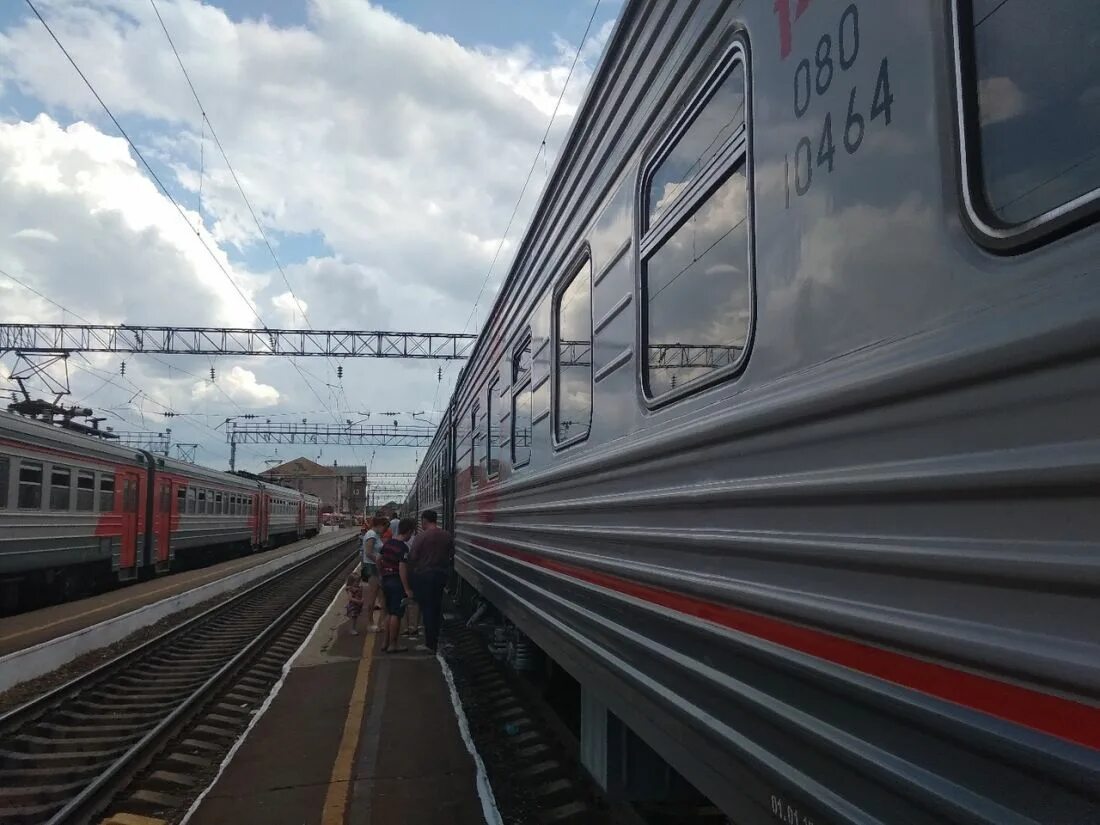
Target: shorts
(369,569)
(395,594)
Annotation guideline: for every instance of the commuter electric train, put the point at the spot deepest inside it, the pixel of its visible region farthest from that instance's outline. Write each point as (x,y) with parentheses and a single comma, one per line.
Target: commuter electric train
(783,434)
(78,511)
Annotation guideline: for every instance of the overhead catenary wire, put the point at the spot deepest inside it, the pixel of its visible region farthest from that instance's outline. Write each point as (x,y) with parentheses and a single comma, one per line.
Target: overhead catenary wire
(164,189)
(208,124)
(523,190)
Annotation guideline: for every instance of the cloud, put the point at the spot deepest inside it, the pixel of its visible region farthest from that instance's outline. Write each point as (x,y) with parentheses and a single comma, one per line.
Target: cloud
(289,310)
(382,162)
(999,99)
(240,385)
(35,235)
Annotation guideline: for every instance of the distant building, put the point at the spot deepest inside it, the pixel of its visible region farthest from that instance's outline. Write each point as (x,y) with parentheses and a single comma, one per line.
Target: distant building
(344,489)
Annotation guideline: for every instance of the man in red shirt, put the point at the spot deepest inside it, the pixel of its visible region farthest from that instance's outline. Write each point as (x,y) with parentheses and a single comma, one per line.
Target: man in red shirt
(432,559)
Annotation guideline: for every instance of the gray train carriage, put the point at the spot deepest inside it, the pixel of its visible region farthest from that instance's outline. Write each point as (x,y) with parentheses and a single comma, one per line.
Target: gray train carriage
(781,436)
(210,510)
(72,510)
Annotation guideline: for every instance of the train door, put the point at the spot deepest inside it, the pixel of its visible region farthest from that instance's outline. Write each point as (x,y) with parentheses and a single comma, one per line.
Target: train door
(263,520)
(162,524)
(128,542)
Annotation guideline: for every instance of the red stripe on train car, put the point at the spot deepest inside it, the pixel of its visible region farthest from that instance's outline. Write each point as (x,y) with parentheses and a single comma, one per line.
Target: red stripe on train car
(1063,718)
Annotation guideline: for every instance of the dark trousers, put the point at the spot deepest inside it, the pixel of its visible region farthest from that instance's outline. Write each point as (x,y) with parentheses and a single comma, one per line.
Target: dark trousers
(428,587)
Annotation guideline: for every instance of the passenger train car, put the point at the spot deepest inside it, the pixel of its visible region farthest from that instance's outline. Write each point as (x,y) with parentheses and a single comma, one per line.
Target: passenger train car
(782,435)
(76,509)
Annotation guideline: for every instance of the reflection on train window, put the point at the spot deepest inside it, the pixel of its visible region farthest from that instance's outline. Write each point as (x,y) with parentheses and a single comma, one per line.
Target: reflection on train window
(492,433)
(5,469)
(573,360)
(696,283)
(522,402)
(30,485)
(706,135)
(85,490)
(1035,102)
(106,493)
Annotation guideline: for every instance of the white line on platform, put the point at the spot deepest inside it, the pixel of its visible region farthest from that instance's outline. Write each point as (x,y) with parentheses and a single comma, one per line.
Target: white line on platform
(489,807)
(261,711)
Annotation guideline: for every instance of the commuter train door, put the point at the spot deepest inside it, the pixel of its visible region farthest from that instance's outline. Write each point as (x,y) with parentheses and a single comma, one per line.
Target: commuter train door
(162,524)
(129,483)
(263,519)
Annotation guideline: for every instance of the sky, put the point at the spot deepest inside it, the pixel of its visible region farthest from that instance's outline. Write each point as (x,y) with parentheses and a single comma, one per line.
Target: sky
(382,146)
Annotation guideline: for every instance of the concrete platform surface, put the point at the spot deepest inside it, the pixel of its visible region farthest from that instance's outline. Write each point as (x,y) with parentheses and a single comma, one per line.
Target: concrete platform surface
(36,626)
(354,736)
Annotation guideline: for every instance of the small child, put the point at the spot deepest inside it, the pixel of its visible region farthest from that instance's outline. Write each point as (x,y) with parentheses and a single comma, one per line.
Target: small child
(354,588)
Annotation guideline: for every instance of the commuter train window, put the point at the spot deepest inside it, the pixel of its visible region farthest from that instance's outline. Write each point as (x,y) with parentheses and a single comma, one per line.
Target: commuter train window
(522,402)
(129,496)
(696,279)
(85,490)
(61,488)
(181,500)
(201,505)
(219,504)
(30,485)
(106,493)
(572,403)
(5,468)
(492,432)
(1028,83)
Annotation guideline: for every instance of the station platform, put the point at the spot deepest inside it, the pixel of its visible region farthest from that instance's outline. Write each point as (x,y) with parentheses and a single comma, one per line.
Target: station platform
(353,736)
(34,627)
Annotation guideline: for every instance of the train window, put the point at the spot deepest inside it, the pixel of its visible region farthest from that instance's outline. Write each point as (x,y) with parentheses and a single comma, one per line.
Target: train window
(106,493)
(474,444)
(30,485)
(696,280)
(181,500)
(492,433)
(219,505)
(5,469)
(191,500)
(522,402)
(129,495)
(61,488)
(701,140)
(1022,75)
(85,490)
(200,506)
(573,357)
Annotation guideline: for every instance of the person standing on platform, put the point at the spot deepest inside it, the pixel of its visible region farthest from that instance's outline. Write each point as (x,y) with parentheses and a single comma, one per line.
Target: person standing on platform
(354,588)
(395,523)
(393,565)
(371,544)
(433,561)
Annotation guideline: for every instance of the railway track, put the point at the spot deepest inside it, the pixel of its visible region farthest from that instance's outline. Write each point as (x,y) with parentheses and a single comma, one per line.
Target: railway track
(68,755)
(530,754)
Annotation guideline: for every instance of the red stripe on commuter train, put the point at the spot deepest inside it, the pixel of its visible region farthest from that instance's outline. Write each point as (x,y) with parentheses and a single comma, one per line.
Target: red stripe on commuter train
(1063,718)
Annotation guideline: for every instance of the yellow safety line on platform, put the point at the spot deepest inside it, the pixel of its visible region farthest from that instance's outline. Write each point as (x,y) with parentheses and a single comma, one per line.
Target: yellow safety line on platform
(339,784)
